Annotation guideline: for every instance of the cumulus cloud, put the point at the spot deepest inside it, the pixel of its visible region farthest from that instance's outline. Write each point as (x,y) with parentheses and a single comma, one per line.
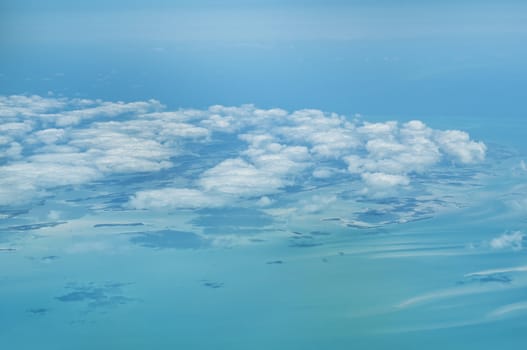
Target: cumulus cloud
(512,241)
(47,142)
(174,198)
(382,180)
(328,135)
(240,178)
(458,144)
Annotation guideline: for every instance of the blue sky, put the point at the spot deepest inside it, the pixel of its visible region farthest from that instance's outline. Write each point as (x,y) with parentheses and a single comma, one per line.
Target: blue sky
(261,20)
(378,58)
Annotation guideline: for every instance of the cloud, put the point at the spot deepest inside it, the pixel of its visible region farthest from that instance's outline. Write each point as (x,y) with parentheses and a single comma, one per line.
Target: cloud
(382,180)
(174,198)
(507,309)
(317,203)
(458,144)
(445,294)
(240,178)
(21,182)
(498,271)
(328,135)
(512,241)
(47,142)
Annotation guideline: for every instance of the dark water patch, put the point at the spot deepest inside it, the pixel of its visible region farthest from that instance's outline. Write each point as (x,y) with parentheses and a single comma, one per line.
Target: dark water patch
(257,240)
(38,311)
(132,224)
(361,226)
(332,219)
(225,220)
(35,226)
(275,262)
(492,278)
(107,200)
(381,201)
(91,294)
(304,244)
(417,218)
(49,258)
(376,216)
(45,259)
(120,199)
(301,237)
(108,294)
(12,213)
(212,284)
(169,239)
(231,230)
(496,278)
(6,250)
(320,233)
(110,301)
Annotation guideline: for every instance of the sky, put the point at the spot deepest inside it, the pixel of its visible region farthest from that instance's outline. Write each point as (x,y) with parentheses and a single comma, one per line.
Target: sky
(372,57)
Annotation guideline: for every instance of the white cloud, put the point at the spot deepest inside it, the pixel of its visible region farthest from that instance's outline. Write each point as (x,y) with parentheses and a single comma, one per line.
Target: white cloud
(323,172)
(382,181)
(317,203)
(50,136)
(458,144)
(174,198)
(22,106)
(328,135)
(378,130)
(104,110)
(237,177)
(512,241)
(22,182)
(48,141)
(509,308)
(264,201)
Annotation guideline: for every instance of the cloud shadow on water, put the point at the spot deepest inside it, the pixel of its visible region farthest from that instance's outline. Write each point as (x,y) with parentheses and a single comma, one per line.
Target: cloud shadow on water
(169,239)
(232,220)
(95,296)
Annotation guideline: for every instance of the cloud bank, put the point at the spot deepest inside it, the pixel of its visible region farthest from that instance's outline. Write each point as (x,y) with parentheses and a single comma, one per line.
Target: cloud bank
(238,153)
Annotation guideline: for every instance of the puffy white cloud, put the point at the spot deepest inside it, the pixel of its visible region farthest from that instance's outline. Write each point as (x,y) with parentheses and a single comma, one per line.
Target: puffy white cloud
(264,201)
(14,151)
(49,136)
(174,198)
(328,135)
(104,110)
(278,159)
(458,144)
(111,151)
(323,172)
(23,181)
(23,106)
(383,181)
(237,177)
(378,130)
(74,141)
(512,240)
(317,203)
